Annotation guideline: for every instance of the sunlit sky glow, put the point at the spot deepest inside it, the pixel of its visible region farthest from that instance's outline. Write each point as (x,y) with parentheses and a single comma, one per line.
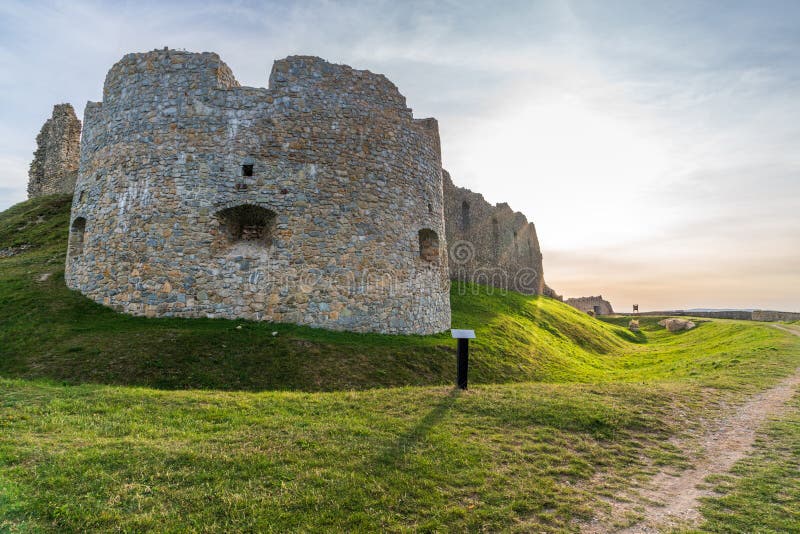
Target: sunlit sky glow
(654,144)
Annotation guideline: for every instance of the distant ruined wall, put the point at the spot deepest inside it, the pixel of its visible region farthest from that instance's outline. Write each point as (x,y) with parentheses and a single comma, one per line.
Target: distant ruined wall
(587,304)
(740,315)
(550,292)
(769,315)
(55,163)
(491,245)
(721,314)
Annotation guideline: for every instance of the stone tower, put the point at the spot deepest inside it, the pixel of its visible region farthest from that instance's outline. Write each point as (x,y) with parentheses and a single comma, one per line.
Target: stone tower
(315,201)
(55,163)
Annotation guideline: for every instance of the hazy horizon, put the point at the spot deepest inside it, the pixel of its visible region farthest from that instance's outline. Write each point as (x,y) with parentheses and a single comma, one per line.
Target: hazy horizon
(653,145)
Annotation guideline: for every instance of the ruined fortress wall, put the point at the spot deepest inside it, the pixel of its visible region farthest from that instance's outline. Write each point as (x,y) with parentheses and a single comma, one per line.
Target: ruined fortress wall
(741,315)
(720,314)
(54,168)
(317,201)
(587,304)
(491,245)
(769,315)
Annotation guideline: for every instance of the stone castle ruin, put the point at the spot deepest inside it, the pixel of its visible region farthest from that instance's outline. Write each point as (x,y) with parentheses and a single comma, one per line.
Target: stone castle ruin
(319,200)
(55,163)
(592,305)
(491,245)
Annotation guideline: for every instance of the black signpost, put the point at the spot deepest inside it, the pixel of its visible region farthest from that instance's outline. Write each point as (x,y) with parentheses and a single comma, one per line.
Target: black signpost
(463,337)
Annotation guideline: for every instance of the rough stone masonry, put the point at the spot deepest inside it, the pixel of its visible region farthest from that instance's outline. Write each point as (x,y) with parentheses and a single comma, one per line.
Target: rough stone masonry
(55,163)
(491,245)
(594,305)
(315,201)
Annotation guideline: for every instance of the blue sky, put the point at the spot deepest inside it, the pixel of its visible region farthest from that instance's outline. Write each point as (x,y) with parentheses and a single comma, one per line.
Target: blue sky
(654,144)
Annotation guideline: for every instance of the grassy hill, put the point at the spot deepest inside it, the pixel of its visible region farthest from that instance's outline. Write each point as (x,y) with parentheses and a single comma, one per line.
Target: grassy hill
(52,332)
(117,423)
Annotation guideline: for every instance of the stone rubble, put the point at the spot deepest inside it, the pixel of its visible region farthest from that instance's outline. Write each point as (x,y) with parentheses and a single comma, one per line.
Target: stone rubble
(676,325)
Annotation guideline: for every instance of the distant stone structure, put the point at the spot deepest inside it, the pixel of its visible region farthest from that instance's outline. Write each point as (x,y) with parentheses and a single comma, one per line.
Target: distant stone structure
(316,201)
(54,168)
(739,315)
(491,245)
(771,315)
(593,305)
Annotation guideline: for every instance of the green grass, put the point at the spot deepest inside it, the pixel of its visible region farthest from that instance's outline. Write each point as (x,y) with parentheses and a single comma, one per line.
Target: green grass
(763,492)
(117,423)
(105,458)
(50,332)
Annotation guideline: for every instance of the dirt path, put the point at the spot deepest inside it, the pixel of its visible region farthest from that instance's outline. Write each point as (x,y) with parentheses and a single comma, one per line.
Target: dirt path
(675,498)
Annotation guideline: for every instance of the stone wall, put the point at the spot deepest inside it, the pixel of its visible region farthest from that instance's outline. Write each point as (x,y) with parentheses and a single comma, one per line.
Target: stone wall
(316,201)
(491,245)
(596,305)
(55,163)
(741,315)
(770,315)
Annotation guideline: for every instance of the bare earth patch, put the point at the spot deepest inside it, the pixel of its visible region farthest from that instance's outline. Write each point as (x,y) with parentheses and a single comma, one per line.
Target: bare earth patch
(672,500)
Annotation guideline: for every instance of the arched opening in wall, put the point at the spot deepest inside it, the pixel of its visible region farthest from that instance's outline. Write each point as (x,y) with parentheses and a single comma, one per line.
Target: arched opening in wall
(429,245)
(465,215)
(516,245)
(246,223)
(495,238)
(77,235)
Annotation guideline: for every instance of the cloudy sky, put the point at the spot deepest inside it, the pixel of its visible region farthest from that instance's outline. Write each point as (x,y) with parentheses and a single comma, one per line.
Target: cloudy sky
(656,145)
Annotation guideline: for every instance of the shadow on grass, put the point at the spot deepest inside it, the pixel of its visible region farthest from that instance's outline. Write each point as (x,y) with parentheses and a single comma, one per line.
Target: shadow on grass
(52,333)
(392,456)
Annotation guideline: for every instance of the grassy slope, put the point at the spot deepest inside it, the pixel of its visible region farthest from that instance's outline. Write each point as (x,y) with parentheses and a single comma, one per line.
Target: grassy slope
(84,450)
(51,332)
(763,492)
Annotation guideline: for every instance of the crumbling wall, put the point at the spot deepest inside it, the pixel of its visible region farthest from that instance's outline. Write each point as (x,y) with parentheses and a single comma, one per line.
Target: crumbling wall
(54,168)
(316,201)
(595,305)
(770,315)
(491,245)
(550,292)
(740,315)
